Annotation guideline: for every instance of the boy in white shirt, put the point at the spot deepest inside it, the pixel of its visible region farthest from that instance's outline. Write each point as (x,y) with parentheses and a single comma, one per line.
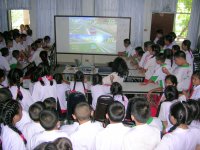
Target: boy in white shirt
(49,121)
(142,136)
(34,127)
(84,137)
(111,137)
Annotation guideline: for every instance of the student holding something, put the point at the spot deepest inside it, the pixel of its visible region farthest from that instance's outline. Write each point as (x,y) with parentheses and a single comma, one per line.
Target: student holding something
(111,137)
(142,136)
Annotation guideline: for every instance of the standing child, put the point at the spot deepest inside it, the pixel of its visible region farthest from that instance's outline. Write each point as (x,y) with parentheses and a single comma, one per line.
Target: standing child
(112,136)
(44,57)
(159,35)
(22,95)
(97,89)
(168,42)
(116,91)
(142,136)
(195,93)
(186,48)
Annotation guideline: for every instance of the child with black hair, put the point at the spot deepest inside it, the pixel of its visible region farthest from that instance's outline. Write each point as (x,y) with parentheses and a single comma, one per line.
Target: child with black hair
(159,35)
(112,136)
(45,86)
(175,48)
(2,78)
(195,92)
(142,136)
(47,42)
(49,121)
(20,94)
(4,64)
(79,84)
(62,89)
(161,43)
(33,127)
(17,42)
(97,89)
(179,136)
(2,41)
(169,57)
(168,41)
(14,59)
(44,57)
(63,144)
(85,134)
(12,137)
(137,56)
(5,94)
(50,103)
(173,34)
(129,50)
(116,91)
(186,48)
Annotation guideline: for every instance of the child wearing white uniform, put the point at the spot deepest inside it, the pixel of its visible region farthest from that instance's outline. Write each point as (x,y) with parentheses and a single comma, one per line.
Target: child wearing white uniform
(142,136)
(84,137)
(49,121)
(4,64)
(97,89)
(112,136)
(195,94)
(186,48)
(71,128)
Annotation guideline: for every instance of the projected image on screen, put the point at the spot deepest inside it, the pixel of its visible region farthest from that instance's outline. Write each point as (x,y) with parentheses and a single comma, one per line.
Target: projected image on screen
(92,35)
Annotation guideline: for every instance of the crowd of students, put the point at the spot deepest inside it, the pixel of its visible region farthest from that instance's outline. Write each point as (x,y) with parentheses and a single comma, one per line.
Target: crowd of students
(34,118)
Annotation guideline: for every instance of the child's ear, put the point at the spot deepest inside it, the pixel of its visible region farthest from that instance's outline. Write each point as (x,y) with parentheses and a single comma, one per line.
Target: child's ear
(172,120)
(133,118)
(107,117)
(74,116)
(92,113)
(58,124)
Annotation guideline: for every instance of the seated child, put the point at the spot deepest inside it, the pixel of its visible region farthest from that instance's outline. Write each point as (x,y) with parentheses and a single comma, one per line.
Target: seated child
(14,59)
(168,42)
(195,92)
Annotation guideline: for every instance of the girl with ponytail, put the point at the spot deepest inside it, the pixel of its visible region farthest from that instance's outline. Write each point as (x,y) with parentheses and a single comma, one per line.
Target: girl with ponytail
(20,94)
(45,86)
(12,137)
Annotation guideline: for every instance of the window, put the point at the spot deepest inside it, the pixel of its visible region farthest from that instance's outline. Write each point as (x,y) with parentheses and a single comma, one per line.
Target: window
(182,19)
(18,17)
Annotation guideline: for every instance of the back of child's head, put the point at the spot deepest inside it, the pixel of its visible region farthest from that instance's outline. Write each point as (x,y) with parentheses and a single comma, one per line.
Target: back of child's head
(15,54)
(49,119)
(58,77)
(16,35)
(96,79)
(138,49)
(29,32)
(34,46)
(194,110)
(5,94)
(82,111)
(171,93)
(15,77)
(155,49)
(176,48)
(180,54)
(116,88)
(63,144)
(168,38)
(38,43)
(168,54)
(35,109)
(187,43)
(120,67)
(44,70)
(4,52)
(47,38)
(50,102)
(127,41)
(172,79)
(79,76)
(9,42)
(116,112)
(140,110)
(173,34)
(46,146)
(44,57)
(160,57)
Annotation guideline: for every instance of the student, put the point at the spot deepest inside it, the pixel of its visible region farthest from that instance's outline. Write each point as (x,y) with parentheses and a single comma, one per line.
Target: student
(116,91)
(2,41)
(29,39)
(97,89)
(168,42)
(23,41)
(142,136)
(112,136)
(46,146)
(33,127)
(2,77)
(78,85)
(169,57)
(151,65)
(4,64)
(47,42)
(63,144)
(62,89)
(119,71)
(195,93)
(44,57)
(183,72)
(173,34)
(49,121)
(179,136)
(175,48)
(137,56)
(12,137)
(84,136)
(50,103)
(45,86)
(186,48)
(22,95)
(129,50)
(161,43)
(171,95)
(16,42)
(14,59)
(159,35)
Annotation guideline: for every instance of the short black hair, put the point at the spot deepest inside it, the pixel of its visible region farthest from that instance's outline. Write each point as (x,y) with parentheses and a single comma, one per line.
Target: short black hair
(5,94)
(63,143)
(161,57)
(4,52)
(187,43)
(180,54)
(176,47)
(116,111)
(127,41)
(79,76)
(49,118)
(116,88)
(161,42)
(8,41)
(35,109)
(155,49)
(15,53)
(138,49)
(16,35)
(172,78)
(168,53)
(50,102)
(196,74)
(171,93)
(120,67)
(173,34)
(169,38)
(159,31)
(148,43)
(47,38)
(29,32)
(140,110)
(194,109)
(96,79)
(140,53)
(58,77)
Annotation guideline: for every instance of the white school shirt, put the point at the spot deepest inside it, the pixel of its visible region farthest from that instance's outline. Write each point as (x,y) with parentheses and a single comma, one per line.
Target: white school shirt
(144,59)
(30,129)
(84,137)
(18,46)
(117,78)
(169,46)
(195,93)
(30,87)
(36,57)
(119,99)
(12,60)
(150,66)
(98,90)
(61,94)
(179,139)
(70,128)
(168,62)
(2,44)
(46,136)
(4,63)
(11,140)
(195,124)
(130,51)
(29,40)
(141,137)
(24,120)
(40,92)
(157,123)
(183,75)
(26,101)
(111,138)
(189,58)
(79,87)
